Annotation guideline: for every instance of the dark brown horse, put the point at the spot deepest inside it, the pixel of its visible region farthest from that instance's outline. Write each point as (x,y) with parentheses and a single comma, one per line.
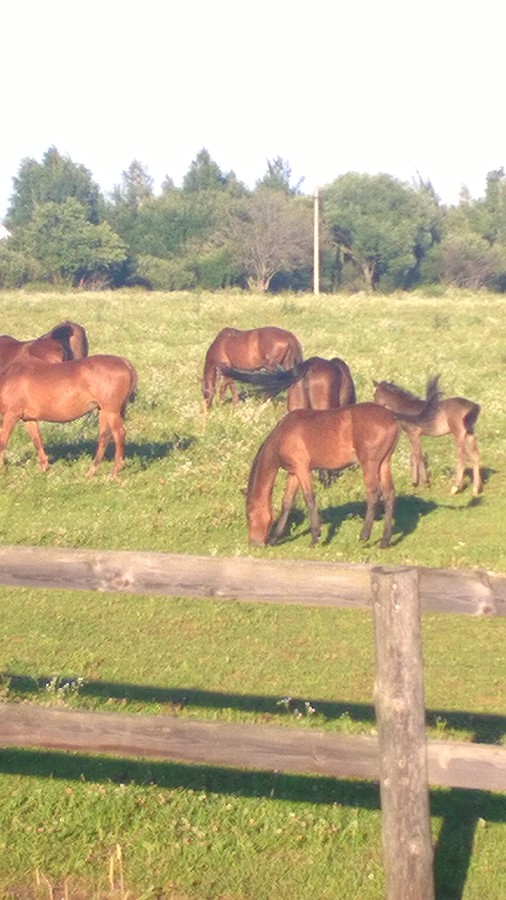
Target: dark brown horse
(315,383)
(259,348)
(453,415)
(65,341)
(308,439)
(38,391)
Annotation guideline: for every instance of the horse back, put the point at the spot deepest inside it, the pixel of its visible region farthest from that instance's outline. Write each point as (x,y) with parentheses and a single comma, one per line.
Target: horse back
(306,437)
(102,380)
(454,415)
(325,384)
(10,349)
(279,346)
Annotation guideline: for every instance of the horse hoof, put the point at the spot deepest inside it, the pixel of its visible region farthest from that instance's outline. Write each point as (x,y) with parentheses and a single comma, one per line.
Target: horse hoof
(454,489)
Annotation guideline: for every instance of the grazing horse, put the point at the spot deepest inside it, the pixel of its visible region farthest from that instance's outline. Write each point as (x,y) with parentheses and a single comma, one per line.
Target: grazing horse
(38,391)
(259,348)
(453,415)
(308,439)
(65,341)
(315,383)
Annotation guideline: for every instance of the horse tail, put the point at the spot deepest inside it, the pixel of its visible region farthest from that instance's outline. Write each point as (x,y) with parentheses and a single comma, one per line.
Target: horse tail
(347,392)
(430,405)
(471,416)
(132,392)
(270,382)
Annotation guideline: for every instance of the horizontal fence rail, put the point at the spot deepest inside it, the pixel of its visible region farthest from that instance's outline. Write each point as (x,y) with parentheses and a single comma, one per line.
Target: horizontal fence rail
(268,747)
(326,584)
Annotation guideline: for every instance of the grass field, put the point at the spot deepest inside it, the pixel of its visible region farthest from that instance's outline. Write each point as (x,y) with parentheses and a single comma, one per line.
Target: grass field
(91,827)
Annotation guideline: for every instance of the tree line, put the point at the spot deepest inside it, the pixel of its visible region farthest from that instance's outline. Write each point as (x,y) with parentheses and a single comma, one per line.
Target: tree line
(375,232)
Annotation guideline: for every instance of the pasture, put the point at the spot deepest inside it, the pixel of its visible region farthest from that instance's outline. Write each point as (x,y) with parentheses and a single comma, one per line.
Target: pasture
(93,827)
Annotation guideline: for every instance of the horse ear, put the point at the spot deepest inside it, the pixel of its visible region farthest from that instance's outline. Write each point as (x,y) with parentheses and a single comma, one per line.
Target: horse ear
(375,383)
(244,491)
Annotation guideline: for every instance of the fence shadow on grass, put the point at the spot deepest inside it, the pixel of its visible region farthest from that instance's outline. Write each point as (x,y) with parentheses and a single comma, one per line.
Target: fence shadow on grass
(460,811)
(481,727)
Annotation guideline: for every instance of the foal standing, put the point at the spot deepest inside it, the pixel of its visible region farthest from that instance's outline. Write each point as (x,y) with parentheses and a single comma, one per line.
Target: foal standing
(452,415)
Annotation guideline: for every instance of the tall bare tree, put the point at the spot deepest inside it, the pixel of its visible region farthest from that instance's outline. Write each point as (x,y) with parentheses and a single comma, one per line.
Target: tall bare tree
(276,236)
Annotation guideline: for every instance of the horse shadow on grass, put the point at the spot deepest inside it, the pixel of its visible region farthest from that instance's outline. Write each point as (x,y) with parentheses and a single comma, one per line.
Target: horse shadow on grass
(142,454)
(461,811)
(409,509)
(408,512)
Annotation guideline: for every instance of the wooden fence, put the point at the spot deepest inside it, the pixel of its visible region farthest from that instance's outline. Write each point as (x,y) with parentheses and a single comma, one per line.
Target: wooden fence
(401,758)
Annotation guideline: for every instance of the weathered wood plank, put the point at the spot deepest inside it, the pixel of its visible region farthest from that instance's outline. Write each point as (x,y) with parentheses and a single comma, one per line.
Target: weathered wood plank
(240,578)
(267,747)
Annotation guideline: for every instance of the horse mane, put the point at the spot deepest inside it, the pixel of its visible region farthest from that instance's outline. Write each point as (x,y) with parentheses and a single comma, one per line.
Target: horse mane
(396,389)
(431,388)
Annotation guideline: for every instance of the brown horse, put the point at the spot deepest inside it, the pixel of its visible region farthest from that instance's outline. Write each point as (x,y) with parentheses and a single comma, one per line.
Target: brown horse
(315,383)
(258,348)
(308,439)
(453,415)
(65,341)
(38,391)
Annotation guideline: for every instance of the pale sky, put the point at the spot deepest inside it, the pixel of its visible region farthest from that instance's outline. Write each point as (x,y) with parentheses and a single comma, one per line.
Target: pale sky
(331,87)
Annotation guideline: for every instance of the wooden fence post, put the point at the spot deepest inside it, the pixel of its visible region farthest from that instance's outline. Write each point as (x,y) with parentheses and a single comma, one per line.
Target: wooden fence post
(400,712)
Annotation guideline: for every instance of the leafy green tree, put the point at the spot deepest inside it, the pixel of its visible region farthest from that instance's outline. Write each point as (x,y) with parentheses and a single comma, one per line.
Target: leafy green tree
(136,186)
(191,231)
(67,247)
(204,174)
(467,260)
(164,274)
(16,267)
(54,180)
(123,208)
(275,235)
(472,250)
(278,176)
(381,225)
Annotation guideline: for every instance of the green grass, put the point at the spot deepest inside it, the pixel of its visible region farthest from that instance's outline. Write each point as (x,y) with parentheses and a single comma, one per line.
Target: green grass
(88,826)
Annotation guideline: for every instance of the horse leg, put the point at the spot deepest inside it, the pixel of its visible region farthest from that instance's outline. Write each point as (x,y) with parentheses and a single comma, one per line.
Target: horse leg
(36,439)
(229,383)
(388,494)
(474,454)
(372,494)
(461,464)
(104,436)
(118,435)
(292,486)
(419,474)
(9,421)
(306,485)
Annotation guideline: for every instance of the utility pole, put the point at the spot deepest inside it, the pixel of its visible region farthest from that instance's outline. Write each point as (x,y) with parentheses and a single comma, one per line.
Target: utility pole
(316,245)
